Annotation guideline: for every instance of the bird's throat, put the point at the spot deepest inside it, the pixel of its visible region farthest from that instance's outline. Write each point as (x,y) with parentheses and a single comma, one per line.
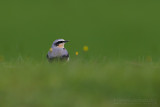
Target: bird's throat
(60,46)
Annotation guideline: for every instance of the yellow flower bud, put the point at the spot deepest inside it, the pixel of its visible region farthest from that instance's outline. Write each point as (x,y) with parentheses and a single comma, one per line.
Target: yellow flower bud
(77,53)
(50,49)
(85,48)
(1,58)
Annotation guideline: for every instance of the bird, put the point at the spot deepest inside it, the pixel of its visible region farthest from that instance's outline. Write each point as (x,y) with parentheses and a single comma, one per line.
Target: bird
(57,52)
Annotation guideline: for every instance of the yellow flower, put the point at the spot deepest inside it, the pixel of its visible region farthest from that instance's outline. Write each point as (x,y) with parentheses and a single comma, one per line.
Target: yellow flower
(85,48)
(149,59)
(77,53)
(50,49)
(1,58)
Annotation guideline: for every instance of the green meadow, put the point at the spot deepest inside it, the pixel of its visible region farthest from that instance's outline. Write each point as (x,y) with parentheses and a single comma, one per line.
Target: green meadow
(120,68)
(79,84)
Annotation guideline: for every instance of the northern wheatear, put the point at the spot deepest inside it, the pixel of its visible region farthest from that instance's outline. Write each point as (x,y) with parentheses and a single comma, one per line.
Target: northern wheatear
(57,52)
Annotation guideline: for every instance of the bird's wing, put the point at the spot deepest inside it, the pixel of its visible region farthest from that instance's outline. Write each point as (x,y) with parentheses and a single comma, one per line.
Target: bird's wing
(65,52)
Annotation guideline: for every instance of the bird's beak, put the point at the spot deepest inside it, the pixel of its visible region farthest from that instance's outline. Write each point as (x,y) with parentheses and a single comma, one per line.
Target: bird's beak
(66,41)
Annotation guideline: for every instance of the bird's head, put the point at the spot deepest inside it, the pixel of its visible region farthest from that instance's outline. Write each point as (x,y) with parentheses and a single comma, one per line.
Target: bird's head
(60,43)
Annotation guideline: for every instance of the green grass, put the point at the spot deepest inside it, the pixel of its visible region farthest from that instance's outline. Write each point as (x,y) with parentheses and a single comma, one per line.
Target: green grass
(123,30)
(79,83)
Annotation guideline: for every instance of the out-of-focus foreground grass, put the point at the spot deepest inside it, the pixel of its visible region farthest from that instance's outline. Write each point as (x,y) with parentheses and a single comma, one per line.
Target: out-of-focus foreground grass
(79,84)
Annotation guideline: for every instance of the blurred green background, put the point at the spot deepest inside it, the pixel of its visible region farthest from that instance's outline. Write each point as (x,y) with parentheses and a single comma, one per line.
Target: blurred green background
(126,29)
(112,29)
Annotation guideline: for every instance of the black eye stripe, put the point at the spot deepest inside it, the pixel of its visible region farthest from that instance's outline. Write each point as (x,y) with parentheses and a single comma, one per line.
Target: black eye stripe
(59,43)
